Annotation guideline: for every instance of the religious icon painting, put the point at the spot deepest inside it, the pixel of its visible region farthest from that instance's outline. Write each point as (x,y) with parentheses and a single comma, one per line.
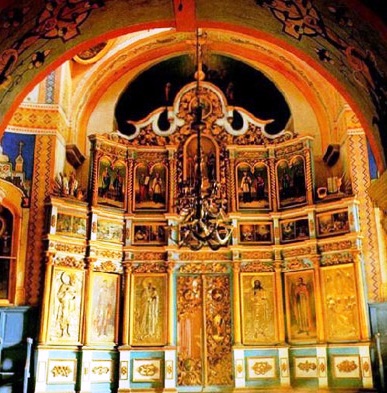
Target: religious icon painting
(151,234)
(149,309)
(253,187)
(332,223)
(256,232)
(111,183)
(150,188)
(291,183)
(259,324)
(65,316)
(300,306)
(109,230)
(103,307)
(294,230)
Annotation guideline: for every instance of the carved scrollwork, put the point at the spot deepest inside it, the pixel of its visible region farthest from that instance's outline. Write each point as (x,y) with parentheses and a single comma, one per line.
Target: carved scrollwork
(336,246)
(69,261)
(261,368)
(107,267)
(347,366)
(337,259)
(71,248)
(257,255)
(307,366)
(99,370)
(295,252)
(150,268)
(149,256)
(203,256)
(204,267)
(258,267)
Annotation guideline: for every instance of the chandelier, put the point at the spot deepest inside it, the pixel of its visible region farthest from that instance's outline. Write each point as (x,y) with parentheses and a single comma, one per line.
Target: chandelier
(202,218)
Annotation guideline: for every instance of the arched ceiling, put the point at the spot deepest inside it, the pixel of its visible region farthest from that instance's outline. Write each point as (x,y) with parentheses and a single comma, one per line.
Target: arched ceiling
(345,44)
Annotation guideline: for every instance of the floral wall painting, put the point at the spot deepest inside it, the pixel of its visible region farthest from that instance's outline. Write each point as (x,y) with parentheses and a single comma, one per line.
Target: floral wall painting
(256,233)
(253,187)
(294,230)
(151,185)
(300,306)
(65,306)
(104,304)
(111,183)
(332,223)
(291,184)
(149,311)
(258,308)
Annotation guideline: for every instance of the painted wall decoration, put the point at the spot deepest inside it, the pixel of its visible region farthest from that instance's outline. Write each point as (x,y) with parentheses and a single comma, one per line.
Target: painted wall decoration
(253,187)
(340,303)
(150,188)
(71,225)
(104,307)
(256,233)
(17,161)
(294,230)
(261,368)
(152,234)
(111,183)
(300,306)
(149,310)
(258,308)
(291,184)
(332,223)
(65,315)
(6,247)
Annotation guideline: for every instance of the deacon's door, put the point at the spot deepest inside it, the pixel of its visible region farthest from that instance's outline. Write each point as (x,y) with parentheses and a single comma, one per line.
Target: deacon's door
(204,330)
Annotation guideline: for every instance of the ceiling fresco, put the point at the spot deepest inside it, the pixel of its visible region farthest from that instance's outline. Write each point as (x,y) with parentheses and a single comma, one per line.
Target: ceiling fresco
(344,45)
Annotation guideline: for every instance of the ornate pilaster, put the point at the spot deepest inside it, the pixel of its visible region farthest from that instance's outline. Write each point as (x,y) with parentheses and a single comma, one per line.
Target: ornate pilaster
(46,298)
(126,307)
(231,186)
(171,308)
(236,300)
(280,303)
(88,299)
(172,177)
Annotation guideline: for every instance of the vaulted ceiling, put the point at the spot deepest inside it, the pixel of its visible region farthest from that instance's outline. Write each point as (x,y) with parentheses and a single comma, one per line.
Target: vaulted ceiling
(313,44)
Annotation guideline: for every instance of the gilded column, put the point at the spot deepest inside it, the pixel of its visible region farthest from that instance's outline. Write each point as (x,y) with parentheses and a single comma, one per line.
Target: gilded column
(46,298)
(308,173)
(173,192)
(126,307)
(236,300)
(273,183)
(129,187)
(94,177)
(171,308)
(231,187)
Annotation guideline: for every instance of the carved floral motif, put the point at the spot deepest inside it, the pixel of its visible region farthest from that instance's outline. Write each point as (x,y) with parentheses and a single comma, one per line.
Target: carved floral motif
(100,370)
(347,366)
(307,366)
(261,368)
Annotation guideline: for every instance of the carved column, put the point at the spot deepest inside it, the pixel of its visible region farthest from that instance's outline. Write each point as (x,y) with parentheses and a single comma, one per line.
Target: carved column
(236,303)
(231,186)
(129,186)
(93,185)
(46,298)
(273,183)
(309,178)
(172,178)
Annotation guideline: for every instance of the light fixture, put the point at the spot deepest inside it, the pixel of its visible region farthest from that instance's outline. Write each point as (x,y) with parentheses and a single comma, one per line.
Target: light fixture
(202,218)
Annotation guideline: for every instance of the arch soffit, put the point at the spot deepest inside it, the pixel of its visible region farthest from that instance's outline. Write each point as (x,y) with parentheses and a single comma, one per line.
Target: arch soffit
(158,14)
(283,68)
